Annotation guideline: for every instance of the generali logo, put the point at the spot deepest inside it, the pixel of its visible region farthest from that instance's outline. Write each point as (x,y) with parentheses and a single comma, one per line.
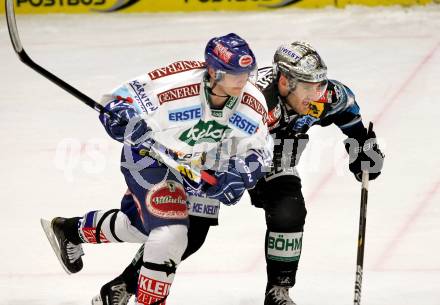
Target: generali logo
(252,102)
(179,93)
(176,67)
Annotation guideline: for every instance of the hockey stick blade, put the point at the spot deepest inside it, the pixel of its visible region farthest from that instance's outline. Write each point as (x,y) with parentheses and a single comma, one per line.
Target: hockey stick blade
(47,228)
(194,174)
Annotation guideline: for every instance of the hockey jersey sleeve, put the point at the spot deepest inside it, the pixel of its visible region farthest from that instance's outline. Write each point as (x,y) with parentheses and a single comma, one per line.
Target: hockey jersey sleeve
(345,112)
(128,103)
(254,166)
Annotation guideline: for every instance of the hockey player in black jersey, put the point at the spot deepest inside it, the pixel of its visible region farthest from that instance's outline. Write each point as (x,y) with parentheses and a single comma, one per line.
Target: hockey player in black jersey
(299,96)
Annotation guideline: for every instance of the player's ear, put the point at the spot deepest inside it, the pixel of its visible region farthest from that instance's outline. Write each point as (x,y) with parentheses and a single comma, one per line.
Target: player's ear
(283,80)
(211,73)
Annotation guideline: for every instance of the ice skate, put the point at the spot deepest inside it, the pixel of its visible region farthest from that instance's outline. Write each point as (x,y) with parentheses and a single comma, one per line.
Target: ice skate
(113,293)
(68,254)
(278,295)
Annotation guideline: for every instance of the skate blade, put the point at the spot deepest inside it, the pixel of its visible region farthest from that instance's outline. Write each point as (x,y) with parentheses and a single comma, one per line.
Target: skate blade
(47,228)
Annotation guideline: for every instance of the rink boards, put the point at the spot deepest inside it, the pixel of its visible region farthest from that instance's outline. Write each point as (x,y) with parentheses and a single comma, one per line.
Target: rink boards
(138,6)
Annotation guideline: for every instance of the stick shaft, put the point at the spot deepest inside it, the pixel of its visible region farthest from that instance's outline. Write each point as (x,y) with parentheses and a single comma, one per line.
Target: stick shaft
(191,173)
(361,240)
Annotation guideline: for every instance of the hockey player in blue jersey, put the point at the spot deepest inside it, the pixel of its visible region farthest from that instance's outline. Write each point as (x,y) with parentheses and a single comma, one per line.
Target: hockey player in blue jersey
(299,95)
(196,111)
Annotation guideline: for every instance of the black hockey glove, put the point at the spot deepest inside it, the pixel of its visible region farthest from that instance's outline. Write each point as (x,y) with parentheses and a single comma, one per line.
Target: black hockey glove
(365,155)
(288,149)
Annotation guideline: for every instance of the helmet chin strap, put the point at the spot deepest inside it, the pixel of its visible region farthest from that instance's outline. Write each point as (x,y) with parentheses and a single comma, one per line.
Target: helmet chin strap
(211,90)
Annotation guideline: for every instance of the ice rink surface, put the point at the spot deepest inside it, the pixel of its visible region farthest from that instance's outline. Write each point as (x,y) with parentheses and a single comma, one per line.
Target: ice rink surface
(57,160)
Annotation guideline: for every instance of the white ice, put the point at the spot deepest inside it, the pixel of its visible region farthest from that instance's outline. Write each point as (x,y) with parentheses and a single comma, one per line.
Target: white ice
(57,160)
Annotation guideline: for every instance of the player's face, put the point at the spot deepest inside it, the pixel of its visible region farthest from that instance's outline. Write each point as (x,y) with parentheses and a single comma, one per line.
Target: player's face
(233,84)
(304,94)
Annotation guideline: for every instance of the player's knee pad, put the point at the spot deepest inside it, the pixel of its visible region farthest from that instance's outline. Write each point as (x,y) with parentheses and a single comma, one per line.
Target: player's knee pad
(166,242)
(286,214)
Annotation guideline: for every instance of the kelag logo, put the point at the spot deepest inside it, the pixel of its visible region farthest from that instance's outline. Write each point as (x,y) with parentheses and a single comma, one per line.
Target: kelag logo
(210,131)
(118,5)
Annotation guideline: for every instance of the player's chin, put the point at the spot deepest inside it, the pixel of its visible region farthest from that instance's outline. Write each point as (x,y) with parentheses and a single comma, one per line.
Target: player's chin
(305,107)
(304,110)
(234,91)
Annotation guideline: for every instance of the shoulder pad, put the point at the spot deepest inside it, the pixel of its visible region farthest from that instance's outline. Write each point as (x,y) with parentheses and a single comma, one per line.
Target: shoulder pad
(342,97)
(176,67)
(254,99)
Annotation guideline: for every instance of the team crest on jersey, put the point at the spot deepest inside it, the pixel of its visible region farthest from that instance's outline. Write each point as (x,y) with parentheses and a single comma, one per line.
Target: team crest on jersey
(210,131)
(167,200)
(176,67)
(316,109)
(179,93)
(243,123)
